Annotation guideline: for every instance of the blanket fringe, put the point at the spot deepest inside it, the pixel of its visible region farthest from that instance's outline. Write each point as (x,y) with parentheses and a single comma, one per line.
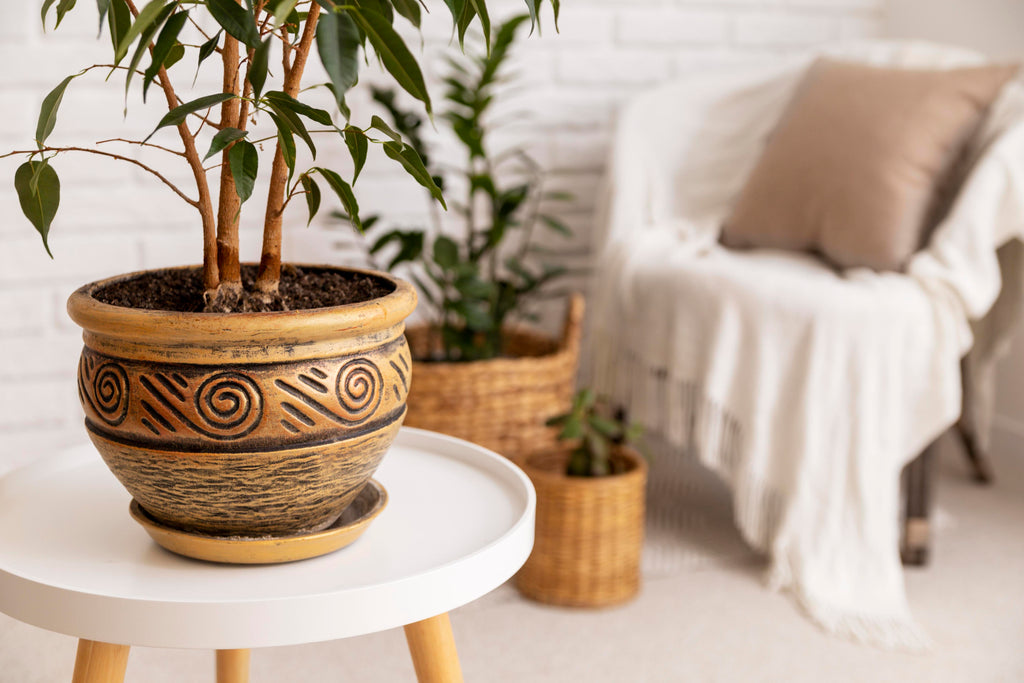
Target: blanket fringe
(685,426)
(896,633)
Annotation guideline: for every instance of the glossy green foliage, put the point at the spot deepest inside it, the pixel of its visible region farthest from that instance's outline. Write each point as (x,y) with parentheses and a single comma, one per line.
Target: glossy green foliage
(148,38)
(592,435)
(477,278)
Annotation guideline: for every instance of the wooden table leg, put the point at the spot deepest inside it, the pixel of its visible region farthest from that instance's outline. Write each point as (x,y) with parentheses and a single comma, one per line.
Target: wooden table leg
(432,646)
(232,666)
(98,662)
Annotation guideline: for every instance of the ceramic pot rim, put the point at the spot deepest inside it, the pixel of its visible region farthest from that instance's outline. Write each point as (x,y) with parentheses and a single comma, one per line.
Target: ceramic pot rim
(245,329)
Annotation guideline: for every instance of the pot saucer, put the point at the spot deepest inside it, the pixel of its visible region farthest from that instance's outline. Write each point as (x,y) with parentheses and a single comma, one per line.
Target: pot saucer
(370,502)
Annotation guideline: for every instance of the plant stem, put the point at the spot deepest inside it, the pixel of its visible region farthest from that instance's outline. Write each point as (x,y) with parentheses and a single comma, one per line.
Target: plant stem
(140,143)
(211,273)
(270,261)
(229,204)
(58,150)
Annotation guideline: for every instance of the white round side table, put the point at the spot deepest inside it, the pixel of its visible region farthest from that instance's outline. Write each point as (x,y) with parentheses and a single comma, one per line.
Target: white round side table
(458,524)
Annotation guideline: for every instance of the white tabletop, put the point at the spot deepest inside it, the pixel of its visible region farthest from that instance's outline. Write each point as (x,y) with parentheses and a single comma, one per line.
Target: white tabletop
(459,523)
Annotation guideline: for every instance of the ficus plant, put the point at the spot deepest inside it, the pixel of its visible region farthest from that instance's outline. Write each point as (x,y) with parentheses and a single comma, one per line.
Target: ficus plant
(262,47)
(475,278)
(592,436)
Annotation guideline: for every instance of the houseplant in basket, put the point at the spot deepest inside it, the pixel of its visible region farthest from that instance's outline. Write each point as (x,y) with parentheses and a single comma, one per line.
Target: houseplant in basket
(477,376)
(233,399)
(590,512)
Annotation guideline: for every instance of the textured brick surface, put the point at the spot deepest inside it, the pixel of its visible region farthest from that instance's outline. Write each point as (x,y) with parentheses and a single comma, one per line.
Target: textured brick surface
(116,218)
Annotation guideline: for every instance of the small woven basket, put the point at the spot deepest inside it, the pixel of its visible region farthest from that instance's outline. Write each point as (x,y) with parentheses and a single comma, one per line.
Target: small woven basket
(502,403)
(590,532)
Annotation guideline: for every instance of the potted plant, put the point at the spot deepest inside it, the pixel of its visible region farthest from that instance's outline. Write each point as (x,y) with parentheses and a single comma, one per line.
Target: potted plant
(235,399)
(590,511)
(478,376)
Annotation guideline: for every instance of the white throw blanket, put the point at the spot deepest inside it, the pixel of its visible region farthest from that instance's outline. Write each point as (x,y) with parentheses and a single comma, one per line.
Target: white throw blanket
(806,389)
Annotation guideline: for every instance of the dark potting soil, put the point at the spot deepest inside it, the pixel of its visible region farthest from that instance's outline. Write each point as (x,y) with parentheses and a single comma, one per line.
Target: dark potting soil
(181,289)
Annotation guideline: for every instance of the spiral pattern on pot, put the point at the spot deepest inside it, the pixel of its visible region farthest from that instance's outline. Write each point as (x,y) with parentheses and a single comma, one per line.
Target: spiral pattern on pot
(110,393)
(229,404)
(359,389)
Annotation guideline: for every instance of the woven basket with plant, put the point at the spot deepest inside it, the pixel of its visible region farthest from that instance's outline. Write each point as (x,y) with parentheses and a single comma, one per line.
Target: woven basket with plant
(590,512)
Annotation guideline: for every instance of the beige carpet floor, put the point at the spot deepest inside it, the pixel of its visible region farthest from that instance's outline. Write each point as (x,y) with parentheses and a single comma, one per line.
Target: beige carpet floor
(709,621)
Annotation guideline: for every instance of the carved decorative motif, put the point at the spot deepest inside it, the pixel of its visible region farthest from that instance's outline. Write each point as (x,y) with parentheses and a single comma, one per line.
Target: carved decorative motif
(229,408)
(105,389)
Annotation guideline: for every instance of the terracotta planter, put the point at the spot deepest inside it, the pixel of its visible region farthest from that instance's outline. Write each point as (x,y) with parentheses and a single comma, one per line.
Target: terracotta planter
(247,423)
(590,533)
(500,404)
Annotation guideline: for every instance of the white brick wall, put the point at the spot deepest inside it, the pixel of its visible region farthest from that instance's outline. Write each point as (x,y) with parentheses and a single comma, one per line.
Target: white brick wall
(115,218)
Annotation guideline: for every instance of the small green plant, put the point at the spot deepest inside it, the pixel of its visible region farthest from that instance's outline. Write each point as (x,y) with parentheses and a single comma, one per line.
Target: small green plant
(593,435)
(474,282)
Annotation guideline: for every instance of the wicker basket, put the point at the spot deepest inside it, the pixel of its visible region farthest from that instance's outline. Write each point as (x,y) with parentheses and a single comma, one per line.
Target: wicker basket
(590,533)
(502,403)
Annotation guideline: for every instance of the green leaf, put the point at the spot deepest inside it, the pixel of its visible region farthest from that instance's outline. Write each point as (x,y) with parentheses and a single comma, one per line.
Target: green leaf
(556,6)
(244,161)
(345,194)
(282,11)
(146,17)
(162,49)
(472,287)
(446,252)
(556,225)
(102,7)
(119,20)
(455,7)
(39,204)
(223,138)
(396,56)
(236,21)
(291,120)
(207,49)
(532,6)
(377,123)
(516,266)
(424,289)
(45,10)
(485,20)
(337,41)
(410,9)
(287,142)
(476,316)
(181,112)
(608,428)
(585,398)
(358,146)
(48,112)
(258,68)
(381,7)
(572,429)
(556,421)
(176,54)
(144,41)
(63,7)
(287,101)
(312,196)
(384,240)
(407,156)
(465,19)
(599,452)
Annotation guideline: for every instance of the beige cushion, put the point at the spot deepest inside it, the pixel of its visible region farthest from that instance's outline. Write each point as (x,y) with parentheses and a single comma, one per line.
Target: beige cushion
(853,166)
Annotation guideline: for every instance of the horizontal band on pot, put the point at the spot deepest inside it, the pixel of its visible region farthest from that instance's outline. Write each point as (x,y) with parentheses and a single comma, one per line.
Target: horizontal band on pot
(196,445)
